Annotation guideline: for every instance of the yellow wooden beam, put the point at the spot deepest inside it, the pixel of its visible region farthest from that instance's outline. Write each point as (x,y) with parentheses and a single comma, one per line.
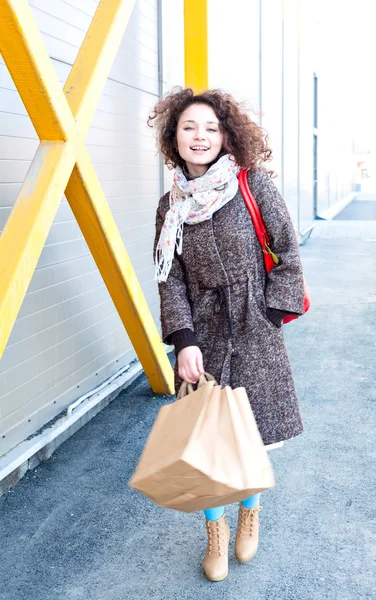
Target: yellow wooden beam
(196,44)
(98,226)
(32,71)
(25,55)
(93,63)
(26,230)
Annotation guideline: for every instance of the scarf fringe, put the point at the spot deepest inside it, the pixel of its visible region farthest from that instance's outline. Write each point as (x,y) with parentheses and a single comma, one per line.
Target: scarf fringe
(163,263)
(165,256)
(179,238)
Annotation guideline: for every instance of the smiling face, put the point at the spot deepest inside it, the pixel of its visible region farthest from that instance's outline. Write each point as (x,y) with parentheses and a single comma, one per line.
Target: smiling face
(199,138)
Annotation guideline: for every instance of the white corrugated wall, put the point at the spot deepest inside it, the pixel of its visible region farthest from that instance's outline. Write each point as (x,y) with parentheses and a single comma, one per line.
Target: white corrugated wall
(68,336)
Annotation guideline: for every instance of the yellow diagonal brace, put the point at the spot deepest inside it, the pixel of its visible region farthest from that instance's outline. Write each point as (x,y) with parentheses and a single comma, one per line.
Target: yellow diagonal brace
(25,55)
(196,44)
(48,106)
(26,231)
(92,65)
(98,226)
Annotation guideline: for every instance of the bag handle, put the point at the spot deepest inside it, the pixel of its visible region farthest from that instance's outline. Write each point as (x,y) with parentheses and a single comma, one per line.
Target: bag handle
(187,388)
(270,258)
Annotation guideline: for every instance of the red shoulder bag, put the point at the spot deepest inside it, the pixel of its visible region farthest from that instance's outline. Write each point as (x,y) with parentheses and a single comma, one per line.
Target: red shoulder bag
(270,258)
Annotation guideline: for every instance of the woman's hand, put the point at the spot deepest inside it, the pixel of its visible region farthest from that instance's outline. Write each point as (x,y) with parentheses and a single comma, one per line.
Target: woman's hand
(190,364)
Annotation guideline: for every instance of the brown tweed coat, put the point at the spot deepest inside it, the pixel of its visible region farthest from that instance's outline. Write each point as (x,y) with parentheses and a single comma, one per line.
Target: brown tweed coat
(218,288)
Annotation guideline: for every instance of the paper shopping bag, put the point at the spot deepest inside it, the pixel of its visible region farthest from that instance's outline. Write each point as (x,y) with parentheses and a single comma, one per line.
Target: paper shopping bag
(204,450)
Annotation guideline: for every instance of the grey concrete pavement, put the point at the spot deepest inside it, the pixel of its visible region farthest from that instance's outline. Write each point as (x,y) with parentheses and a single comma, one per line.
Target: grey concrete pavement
(72,529)
(359,210)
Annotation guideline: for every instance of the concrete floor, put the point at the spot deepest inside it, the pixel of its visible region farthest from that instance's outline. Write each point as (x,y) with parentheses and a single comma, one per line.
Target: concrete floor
(358,210)
(72,529)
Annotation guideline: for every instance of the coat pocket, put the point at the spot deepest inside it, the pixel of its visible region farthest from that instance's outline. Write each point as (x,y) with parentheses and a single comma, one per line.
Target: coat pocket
(260,305)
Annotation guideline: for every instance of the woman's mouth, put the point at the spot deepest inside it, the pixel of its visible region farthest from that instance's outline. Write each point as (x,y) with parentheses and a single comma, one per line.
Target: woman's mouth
(199,149)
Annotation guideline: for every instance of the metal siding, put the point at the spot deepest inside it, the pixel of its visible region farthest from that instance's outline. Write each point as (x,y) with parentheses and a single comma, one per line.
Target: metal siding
(8,191)
(18,126)
(36,344)
(33,418)
(291,109)
(272,80)
(36,323)
(68,337)
(306,122)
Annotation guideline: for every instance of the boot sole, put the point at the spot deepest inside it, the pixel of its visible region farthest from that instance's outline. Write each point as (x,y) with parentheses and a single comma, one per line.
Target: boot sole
(244,561)
(219,578)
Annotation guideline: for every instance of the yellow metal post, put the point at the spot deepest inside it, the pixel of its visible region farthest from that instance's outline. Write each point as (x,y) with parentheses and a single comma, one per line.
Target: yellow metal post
(196,44)
(64,123)
(98,226)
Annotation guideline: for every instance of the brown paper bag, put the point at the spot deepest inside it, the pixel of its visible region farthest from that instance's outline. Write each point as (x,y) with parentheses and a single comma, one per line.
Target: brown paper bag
(204,451)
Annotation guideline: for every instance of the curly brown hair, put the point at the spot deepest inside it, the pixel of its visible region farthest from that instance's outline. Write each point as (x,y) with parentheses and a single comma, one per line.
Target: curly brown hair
(242,137)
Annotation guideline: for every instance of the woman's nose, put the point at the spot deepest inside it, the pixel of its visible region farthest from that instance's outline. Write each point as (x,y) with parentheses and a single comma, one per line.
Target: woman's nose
(200,135)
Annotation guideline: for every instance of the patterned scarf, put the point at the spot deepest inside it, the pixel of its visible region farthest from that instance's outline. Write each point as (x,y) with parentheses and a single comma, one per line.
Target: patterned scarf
(191,202)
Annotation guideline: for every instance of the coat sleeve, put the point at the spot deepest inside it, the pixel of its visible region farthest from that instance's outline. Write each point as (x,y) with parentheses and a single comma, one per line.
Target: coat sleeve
(285,283)
(175,307)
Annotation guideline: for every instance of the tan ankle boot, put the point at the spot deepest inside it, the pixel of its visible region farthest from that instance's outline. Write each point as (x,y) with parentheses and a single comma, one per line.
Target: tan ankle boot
(216,558)
(247,535)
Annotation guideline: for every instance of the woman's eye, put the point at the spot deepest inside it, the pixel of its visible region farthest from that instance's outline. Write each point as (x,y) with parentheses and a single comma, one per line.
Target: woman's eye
(213,130)
(188,128)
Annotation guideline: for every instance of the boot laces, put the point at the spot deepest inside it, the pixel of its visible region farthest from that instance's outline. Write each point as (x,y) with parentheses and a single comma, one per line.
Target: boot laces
(249,520)
(216,536)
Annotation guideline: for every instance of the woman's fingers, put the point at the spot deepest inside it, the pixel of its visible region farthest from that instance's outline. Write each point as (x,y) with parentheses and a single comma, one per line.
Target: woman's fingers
(185,377)
(189,373)
(188,362)
(200,363)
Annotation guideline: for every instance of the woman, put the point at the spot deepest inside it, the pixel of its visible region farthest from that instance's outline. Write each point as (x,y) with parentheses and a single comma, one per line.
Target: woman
(218,307)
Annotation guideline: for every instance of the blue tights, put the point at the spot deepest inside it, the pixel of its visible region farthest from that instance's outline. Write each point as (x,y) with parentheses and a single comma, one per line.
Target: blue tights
(213,514)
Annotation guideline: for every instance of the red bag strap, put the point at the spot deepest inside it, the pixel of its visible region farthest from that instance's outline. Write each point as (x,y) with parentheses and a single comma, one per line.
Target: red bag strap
(261,232)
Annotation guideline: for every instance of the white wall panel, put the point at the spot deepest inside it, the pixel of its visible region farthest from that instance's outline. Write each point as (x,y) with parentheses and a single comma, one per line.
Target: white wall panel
(17,149)
(35,323)
(172,55)
(306,115)
(290,134)
(18,126)
(40,342)
(90,375)
(234,48)
(13,170)
(8,191)
(337,114)
(271,80)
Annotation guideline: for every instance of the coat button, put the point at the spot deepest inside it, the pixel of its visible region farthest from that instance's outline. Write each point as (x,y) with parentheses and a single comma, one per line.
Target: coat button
(217,307)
